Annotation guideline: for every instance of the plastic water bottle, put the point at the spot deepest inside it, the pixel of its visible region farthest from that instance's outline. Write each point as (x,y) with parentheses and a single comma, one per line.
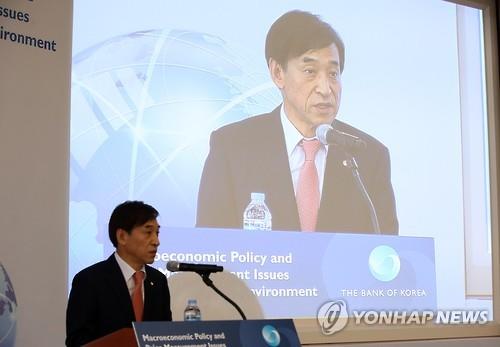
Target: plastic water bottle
(192,311)
(257,215)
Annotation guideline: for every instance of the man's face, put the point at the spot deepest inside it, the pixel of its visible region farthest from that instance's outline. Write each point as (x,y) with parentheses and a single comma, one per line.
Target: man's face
(311,87)
(140,246)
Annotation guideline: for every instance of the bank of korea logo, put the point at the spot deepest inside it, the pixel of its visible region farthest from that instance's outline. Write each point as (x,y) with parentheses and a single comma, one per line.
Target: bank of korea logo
(384,263)
(332,316)
(271,335)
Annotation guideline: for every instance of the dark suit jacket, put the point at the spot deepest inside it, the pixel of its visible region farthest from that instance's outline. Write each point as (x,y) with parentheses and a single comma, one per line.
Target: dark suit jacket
(250,156)
(99,302)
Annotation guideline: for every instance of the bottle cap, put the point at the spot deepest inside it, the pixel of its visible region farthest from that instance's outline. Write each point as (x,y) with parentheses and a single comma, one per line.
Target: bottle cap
(258,196)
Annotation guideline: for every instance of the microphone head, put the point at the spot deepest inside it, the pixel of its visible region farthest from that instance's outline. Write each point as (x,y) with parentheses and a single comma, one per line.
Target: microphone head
(173,266)
(328,135)
(322,131)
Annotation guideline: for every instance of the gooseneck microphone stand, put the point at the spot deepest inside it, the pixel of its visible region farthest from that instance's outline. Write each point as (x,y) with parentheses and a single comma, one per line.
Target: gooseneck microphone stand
(328,135)
(205,276)
(351,163)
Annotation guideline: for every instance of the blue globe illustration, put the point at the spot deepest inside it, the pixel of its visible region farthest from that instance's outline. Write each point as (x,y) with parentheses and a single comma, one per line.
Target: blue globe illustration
(8,308)
(271,335)
(143,106)
(384,263)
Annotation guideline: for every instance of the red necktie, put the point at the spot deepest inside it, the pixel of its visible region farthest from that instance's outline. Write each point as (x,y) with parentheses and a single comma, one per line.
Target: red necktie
(137,300)
(308,187)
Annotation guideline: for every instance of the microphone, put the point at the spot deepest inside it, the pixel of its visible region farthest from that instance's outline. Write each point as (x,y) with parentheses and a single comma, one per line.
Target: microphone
(328,135)
(204,270)
(175,266)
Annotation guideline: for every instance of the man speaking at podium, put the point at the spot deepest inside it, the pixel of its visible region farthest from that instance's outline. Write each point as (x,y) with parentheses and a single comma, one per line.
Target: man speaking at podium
(113,293)
(308,185)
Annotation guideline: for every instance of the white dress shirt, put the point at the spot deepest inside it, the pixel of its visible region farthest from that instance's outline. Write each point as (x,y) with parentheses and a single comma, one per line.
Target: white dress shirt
(296,156)
(128,273)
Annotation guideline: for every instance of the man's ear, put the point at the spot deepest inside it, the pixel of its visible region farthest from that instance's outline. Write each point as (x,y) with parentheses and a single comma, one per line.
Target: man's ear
(121,236)
(277,73)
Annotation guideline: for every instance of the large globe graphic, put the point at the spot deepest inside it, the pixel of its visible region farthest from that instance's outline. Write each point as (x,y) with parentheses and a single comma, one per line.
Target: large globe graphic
(143,106)
(8,308)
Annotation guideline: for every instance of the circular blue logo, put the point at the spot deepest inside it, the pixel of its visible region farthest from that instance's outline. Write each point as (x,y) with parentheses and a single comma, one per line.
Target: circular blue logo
(384,263)
(271,336)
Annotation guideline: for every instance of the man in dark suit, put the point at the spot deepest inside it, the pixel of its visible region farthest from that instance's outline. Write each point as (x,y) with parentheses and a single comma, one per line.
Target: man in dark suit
(113,293)
(267,153)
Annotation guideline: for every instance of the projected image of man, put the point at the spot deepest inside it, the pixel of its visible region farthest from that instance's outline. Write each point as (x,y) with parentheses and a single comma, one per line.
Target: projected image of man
(308,185)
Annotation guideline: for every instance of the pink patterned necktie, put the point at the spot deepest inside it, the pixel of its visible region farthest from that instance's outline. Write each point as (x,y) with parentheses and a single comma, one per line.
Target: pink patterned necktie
(308,187)
(137,299)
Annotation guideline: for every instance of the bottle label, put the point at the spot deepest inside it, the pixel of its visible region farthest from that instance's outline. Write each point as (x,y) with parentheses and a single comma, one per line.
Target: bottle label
(256,217)
(256,224)
(255,213)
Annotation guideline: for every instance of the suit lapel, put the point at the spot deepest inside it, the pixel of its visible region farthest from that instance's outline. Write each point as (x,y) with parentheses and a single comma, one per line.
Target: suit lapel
(342,207)
(281,201)
(118,286)
(336,183)
(149,287)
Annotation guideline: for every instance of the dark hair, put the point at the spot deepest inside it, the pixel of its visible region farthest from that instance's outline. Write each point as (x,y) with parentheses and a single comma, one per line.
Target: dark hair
(297,32)
(129,215)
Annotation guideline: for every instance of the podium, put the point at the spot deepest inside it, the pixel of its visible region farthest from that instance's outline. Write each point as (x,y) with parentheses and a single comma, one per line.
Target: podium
(234,333)
(121,338)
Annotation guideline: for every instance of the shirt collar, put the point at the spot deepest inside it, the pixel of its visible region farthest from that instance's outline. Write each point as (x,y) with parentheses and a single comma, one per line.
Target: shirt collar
(127,270)
(292,135)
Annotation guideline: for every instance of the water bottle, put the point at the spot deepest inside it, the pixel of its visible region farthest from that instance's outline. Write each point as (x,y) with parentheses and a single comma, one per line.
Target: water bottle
(192,311)
(257,215)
